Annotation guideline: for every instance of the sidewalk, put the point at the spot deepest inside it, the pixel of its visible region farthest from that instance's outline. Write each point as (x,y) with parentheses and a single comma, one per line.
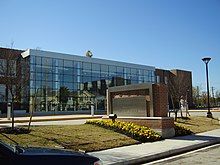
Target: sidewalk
(205,110)
(146,152)
(49,118)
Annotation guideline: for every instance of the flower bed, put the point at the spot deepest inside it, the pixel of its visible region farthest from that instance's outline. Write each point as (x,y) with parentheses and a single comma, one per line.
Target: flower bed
(181,131)
(140,133)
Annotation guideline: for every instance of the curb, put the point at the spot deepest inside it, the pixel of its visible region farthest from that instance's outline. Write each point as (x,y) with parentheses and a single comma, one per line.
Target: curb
(150,158)
(50,119)
(202,110)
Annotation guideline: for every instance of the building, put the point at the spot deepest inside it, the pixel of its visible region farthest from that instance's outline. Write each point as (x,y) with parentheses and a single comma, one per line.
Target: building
(179,85)
(62,82)
(54,82)
(11,78)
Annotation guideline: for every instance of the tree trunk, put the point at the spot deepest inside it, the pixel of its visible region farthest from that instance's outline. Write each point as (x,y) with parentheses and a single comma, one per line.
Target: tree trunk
(32,112)
(12,115)
(30,120)
(181,112)
(175,111)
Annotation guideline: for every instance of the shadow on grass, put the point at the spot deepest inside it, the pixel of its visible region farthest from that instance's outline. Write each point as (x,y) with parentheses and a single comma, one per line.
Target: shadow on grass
(15,131)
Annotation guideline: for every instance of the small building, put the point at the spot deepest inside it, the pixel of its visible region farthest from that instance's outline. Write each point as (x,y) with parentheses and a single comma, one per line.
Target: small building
(179,85)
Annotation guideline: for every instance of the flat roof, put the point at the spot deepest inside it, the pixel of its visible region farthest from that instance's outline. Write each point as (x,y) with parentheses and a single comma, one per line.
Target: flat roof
(40,53)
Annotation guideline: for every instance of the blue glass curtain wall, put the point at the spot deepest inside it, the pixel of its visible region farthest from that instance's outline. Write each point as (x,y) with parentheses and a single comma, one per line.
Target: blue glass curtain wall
(67,85)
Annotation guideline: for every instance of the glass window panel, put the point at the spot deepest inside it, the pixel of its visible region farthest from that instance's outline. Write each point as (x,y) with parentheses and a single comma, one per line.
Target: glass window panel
(133,71)
(119,74)
(60,63)
(39,76)
(68,63)
(32,59)
(56,85)
(46,69)
(38,60)
(112,74)
(134,81)
(112,69)
(38,68)
(95,78)
(96,67)
(49,77)
(77,64)
(55,62)
(61,77)
(104,75)
(32,76)
(60,70)
(55,77)
(46,61)
(32,67)
(146,79)
(68,71)
(120,69)
(87,66)
(141,72)
(146,73)
(134,77)
(86,73)
(3,68)
(104,68)
(49,86)
(68,85)
(86,79)
(95,73)
(77,71)
(68,78)
(32,83)
(127,71)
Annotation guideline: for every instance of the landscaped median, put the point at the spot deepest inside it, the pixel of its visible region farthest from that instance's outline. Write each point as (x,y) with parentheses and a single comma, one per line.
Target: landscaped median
(100,134)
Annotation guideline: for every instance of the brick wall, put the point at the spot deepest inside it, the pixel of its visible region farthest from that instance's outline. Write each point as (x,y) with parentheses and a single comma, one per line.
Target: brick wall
(162,125)
(160,100)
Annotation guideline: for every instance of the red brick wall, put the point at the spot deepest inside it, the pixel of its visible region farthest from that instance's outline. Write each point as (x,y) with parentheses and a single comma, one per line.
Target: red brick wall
(160,100)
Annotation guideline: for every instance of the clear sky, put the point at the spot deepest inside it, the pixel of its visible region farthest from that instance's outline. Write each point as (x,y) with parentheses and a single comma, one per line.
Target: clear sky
(168,34)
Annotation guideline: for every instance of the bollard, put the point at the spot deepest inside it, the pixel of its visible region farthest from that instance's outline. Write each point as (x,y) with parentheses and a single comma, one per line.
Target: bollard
(9,111)
(92,109)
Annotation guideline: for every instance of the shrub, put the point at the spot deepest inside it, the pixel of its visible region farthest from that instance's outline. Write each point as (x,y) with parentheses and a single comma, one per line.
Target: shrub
(181,131)
(137,132)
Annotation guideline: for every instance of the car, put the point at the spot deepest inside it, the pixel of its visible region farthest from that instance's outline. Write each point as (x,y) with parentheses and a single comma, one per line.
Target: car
(16,155)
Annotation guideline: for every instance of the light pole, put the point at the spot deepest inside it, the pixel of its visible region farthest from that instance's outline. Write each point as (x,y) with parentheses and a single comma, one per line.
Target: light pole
(206,61)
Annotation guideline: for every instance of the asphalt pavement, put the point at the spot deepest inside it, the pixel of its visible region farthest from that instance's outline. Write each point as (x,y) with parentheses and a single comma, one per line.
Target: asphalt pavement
(204,156)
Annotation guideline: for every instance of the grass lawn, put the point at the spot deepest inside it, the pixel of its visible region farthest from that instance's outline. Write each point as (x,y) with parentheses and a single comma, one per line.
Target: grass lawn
(88,137)
(199,124)
(75,137)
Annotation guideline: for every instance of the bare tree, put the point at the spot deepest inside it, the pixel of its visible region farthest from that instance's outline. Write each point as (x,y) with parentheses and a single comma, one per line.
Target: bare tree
(178,88)
(12,68)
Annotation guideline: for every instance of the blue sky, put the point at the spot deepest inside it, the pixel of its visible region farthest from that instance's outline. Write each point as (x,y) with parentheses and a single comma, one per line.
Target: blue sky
(168,34)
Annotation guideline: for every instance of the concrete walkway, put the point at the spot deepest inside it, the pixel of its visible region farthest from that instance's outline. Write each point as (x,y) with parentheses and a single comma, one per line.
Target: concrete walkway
(49,118)
(146,152)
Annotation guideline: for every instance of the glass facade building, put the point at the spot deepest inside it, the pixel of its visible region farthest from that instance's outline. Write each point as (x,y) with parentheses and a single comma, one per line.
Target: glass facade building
(62,82)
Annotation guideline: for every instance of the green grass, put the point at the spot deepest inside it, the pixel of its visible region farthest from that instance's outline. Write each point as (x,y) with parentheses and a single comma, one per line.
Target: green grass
(199,124)
(89,138)
(76,137)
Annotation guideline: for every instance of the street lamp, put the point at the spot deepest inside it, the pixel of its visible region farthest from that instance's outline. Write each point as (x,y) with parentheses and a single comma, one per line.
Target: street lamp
(206,61)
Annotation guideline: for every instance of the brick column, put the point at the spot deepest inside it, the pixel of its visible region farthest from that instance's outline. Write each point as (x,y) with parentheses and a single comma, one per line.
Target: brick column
(160,100)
